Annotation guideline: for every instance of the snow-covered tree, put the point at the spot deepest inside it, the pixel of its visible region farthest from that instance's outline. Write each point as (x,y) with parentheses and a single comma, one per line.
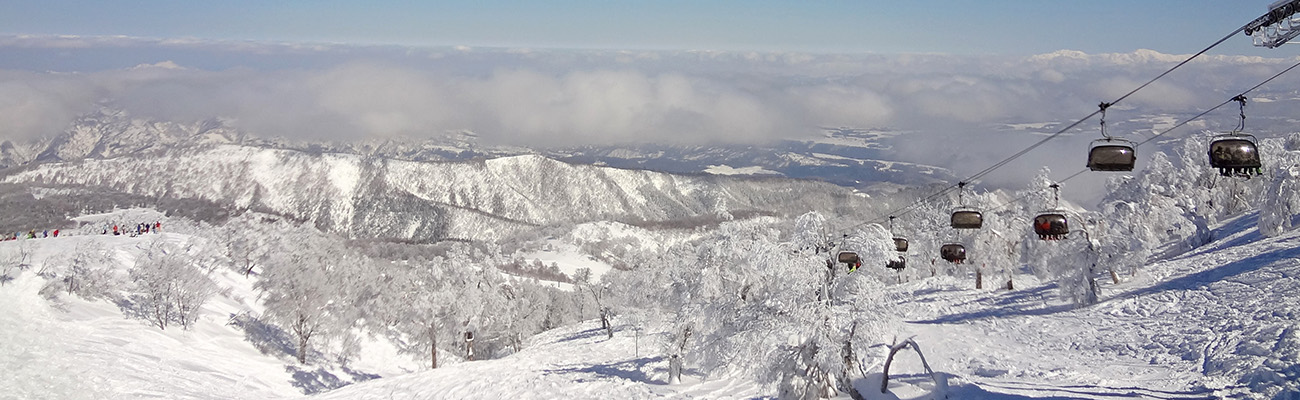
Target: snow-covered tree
(416,304)
(301,289)
(744,300)
(86,272)
(13,259)
(1280,201)
(169,286)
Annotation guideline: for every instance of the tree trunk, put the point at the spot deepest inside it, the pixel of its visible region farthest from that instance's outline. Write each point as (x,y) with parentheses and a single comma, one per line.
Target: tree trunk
(304,333)
(1114,276)
(302,350)
(674,369)
(469,346)
(605,323)
(979,279)
(850,360)
(433,348)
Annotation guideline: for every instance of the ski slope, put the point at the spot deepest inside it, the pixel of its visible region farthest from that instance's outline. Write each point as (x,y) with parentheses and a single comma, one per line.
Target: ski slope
(1216,322)
(1219,321)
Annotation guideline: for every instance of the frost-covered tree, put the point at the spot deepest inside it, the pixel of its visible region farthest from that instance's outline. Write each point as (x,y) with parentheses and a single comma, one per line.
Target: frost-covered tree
(1160,205)
(744,300)
(13,259)
(426,307)
(302,289)
(416,304)
(250,239)
(1280,201)
(170,285)
(86,272)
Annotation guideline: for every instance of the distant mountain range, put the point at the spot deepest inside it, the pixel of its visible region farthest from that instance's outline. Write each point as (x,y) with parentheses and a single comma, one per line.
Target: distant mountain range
(453,188)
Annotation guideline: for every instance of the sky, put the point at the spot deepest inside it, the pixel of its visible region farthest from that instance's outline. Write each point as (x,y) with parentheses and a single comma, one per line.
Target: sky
(950,27)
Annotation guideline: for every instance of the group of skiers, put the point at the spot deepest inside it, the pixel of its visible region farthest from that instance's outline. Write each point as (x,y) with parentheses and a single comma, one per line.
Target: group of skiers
(140,229)
(32,234)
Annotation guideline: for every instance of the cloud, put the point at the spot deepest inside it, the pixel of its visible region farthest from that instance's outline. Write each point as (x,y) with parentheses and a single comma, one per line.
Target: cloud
(560,98)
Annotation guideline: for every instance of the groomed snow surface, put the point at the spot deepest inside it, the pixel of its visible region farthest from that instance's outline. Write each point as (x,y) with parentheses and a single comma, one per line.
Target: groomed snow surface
(1220,321)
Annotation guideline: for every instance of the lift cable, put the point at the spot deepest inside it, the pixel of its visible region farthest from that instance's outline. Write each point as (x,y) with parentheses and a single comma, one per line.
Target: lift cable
(909,208)
(1161,134)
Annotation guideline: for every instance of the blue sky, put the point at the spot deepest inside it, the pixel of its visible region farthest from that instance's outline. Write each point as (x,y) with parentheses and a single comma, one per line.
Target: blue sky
(840,26)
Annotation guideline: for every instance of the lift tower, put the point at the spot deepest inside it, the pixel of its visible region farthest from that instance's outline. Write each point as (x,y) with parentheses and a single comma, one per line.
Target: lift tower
(1278,26)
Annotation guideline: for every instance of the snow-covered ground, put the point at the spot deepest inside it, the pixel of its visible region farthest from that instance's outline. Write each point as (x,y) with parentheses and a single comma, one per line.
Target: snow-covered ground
(1219,321)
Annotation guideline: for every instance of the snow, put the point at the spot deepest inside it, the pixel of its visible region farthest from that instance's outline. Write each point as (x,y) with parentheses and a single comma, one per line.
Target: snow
(1031,126)
(567,257)
(1218,321)
(575,362)
(77,349)
(728,170)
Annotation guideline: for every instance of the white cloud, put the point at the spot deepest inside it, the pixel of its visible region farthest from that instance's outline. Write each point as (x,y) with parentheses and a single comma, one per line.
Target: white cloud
(547,97)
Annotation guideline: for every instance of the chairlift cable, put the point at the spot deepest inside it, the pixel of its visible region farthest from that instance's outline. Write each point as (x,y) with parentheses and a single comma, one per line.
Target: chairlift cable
(907,209)
(1224,103)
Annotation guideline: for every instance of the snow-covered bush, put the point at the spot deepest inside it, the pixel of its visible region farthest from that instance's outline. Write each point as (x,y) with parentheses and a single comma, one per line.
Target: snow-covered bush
(13,259)
(86,272)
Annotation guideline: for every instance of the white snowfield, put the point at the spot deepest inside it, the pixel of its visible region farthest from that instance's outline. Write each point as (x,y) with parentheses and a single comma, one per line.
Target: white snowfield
(1220,321)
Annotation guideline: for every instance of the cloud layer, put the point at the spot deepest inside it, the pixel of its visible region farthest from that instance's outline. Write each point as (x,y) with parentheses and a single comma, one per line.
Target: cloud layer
(558,98)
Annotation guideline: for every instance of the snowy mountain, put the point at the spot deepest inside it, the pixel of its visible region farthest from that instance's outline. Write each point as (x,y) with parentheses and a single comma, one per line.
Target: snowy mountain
(395,199)
(845,156)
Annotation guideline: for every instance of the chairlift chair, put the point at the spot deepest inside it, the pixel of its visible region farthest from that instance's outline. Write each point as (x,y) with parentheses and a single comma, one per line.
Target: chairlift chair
(1235,154)
(967,218)
(848,257)
(900,244)
(1111,155)
(953,253)
(897,264)
(1052,225)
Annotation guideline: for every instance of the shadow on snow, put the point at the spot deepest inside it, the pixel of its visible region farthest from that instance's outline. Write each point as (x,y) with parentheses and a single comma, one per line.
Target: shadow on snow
(633,370)
(967,391)
(1023,302)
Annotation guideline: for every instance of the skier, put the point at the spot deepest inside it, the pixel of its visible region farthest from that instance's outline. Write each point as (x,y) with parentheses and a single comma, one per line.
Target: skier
(56,233)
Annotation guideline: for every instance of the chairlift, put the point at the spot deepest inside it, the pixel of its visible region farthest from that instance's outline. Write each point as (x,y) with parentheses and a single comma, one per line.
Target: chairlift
(900,243)
(953,253)
(965,217)
(897,264)
(1052,224)
(848,257)
(1236,153)
(1111,154)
